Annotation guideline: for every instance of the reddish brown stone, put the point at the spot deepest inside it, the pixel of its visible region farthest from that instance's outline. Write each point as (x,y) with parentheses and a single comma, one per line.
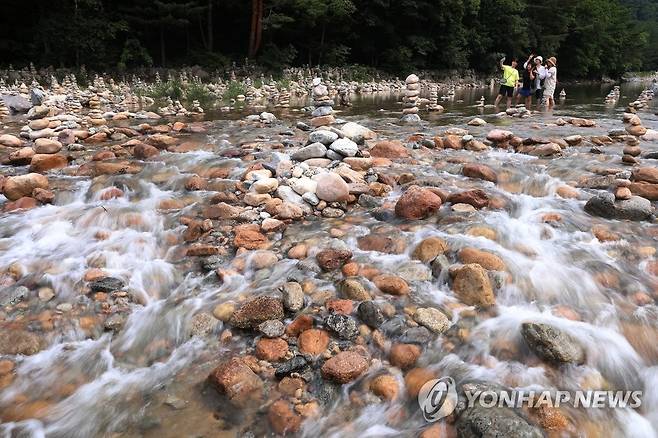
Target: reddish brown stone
(417,203)
(313,341)
(240,384)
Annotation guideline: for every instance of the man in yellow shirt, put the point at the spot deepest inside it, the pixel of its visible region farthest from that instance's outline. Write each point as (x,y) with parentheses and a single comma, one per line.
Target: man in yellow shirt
(509,82)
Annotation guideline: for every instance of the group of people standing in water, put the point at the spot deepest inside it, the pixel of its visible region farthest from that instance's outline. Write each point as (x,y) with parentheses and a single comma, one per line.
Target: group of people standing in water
(538,78)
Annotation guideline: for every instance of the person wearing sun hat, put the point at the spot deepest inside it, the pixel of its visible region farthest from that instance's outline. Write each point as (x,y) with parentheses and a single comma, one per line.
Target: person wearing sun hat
(551,81)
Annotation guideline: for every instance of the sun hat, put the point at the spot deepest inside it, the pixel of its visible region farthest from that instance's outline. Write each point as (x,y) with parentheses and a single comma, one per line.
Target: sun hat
(540,58)
(552,60)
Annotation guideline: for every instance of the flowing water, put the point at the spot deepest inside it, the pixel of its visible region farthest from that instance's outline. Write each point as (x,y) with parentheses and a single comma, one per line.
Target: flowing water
(148,378)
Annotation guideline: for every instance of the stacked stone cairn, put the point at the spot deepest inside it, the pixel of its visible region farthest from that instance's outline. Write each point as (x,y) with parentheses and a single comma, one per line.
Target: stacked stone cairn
(433,104)
(412,91)
(284,98)
(344,95)
(196,107)
(4,111)
(613,95)
(323,112)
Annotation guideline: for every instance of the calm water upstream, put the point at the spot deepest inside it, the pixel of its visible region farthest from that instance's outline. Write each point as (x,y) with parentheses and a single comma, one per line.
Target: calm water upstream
(144,373)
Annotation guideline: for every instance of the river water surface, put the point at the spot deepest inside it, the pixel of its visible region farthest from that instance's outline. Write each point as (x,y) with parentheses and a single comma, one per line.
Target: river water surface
(148,378)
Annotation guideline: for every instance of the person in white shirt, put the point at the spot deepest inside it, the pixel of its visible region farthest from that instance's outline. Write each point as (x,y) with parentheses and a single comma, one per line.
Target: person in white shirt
(551,80)
(540,74)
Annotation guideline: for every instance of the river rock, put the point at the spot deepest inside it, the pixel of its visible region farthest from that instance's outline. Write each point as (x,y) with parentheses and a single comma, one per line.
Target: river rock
(353,289)
(479,171)
(106,284)
(240,384)
(16,187)
(499,135)
(345,327)
(46,162)
(265,185)
(472,286)
(476,122)
(428,249)
(332,259)
(479,422)
(293,296)
(370,313)
(391,284)
(314,150)
(272,328)
(645,174)
(313,341)
(477,198)
(256,311)
(323,137)
(331,187)
(432,318)
(10,141)
(15,341)
(552,344)
(345,367)
(249,236)
(46,146)
(16,104)
(389,149)
(345,147)
(417,203)
(353,131)
(645,190)
(283,419)
(404,356)
(485,259)
(604,205)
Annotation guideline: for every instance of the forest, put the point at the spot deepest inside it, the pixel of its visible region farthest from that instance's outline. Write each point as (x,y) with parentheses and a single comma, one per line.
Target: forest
(590,38)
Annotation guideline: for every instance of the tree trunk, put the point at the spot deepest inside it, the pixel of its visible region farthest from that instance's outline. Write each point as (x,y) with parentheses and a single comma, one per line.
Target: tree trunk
(162,46)
(210,28)
(324,31)
(256,27)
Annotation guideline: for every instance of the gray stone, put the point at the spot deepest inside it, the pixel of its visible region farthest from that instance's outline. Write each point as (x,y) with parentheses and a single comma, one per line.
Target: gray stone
(433,319)
(202,324)
(322,111)
(323,136)
(16,104)
(411,118)
(370,313)
(552,344)
(334,156)
(106,284)
(495,422)
(295,365)
(345,147)
(293,296)
(314,150)
(37,96)
(115,322)
(311,198)
(272,328)
(267,117)
(12,295)
(604,205)
(343,326)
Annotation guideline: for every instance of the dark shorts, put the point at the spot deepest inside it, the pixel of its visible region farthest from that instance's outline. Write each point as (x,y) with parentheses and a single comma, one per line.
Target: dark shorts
(525,92)
(506,91)
(539,94)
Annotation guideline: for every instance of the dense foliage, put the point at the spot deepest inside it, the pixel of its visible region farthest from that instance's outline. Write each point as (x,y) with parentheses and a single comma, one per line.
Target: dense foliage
(591,38)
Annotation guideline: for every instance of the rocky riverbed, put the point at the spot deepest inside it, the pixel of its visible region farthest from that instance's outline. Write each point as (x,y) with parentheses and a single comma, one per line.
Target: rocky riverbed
(306,272)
